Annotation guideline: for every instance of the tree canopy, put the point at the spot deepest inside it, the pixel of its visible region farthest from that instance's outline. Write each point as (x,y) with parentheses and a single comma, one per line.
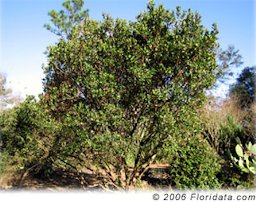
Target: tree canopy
(128,88)
(65,20)
(244,87)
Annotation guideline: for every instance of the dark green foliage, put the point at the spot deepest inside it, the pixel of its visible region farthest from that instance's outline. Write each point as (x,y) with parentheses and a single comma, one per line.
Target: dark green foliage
(195,165)
(244,88)
(122,89)
(27,133)
(232,177)
(229,134)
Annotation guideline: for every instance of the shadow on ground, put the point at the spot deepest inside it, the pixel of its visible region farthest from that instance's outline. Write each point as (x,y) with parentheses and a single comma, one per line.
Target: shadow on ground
(67,180)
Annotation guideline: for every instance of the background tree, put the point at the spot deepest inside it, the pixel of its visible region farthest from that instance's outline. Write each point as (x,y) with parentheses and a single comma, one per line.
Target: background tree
(65,20)
(124,90)
(228,60)
(243,92)
(6,96)
(244,87)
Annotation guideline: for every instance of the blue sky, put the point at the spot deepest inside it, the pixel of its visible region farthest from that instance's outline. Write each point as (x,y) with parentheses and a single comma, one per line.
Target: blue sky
(24,40)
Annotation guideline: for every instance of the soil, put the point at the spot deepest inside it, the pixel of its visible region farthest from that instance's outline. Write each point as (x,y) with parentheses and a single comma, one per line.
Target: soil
(67,180)
(59,180)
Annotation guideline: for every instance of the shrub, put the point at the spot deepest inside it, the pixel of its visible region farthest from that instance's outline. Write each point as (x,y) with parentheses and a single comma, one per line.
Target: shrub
(123,88)
(7,170)
(247,158)
(28,134)
(222,127)
(195,165)
(228,134)
(222,124)
(3,162)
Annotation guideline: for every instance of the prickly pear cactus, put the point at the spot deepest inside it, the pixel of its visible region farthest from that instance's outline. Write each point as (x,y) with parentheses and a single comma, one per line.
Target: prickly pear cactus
(247,158)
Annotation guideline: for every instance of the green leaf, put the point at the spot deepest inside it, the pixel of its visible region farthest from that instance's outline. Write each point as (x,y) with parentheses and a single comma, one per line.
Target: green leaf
(252,169)
(241,163)
(245,170)
(246,158)
(239,150)
(249,146)
(254,162)
(253,149)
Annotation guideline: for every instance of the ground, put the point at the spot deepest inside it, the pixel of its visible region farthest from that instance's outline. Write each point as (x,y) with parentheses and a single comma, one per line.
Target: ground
(68,180)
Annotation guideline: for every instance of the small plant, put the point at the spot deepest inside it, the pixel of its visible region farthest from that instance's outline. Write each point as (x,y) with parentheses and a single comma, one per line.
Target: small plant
(247,158)
(196,165)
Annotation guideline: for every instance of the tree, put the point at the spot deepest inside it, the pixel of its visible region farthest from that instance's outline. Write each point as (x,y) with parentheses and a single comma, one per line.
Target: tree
(123,90)
(228,59)
(244,87)
(6,96)
(26,136)
(243,92)
(65,20)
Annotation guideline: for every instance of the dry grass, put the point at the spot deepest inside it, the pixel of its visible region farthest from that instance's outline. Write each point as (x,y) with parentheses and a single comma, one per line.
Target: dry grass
(215,115)
(7,178)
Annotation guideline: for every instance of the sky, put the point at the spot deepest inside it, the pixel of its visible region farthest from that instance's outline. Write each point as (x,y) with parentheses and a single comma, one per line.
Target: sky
(23,39)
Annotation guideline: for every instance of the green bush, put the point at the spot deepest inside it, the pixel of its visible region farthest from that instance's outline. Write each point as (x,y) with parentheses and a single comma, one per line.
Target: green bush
(195,165)
(244,165)
(123,88)
(230,132)
(247,158)
(3,162)
(27,133)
